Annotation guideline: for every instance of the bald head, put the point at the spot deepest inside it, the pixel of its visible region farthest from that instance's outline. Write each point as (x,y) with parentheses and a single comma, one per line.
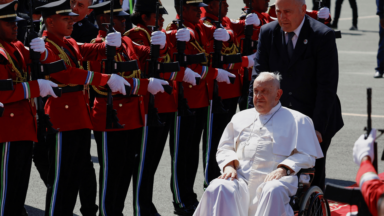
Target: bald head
(269,77)
(266,91)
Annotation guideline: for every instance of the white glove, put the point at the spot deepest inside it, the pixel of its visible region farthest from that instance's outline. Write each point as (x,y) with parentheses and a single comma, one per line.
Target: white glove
(117,84)
(251,60)
(323,13)
(1,105)
(45,87)
(156,85)
(252,19)
(364,147)
(113,39)
(38,45)
(158,38)
(183,34)
(221,34)
(189,76)
(223,76)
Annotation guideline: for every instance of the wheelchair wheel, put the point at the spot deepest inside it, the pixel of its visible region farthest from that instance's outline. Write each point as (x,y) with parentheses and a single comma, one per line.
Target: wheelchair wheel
(314,203)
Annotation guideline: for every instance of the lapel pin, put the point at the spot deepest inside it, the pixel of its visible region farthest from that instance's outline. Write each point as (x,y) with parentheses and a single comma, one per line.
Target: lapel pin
(305,41)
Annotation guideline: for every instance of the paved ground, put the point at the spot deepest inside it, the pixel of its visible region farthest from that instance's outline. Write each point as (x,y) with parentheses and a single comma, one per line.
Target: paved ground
(357,60)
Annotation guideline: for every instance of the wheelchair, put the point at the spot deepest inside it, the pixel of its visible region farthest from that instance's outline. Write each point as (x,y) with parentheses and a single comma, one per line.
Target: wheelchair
(309,200)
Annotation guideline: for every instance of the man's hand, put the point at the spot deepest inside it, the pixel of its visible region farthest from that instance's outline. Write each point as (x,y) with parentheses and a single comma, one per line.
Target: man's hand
(364,147)
(276,174)
(319,137)
(382,22)
(252,19)
(229,172)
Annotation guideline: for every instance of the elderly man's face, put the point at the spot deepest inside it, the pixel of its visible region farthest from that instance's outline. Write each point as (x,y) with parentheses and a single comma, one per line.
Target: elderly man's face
(266,94)
(290,14)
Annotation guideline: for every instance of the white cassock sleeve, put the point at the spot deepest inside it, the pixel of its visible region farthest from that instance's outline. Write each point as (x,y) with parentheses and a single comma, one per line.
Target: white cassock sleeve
(298,161)
(226,151)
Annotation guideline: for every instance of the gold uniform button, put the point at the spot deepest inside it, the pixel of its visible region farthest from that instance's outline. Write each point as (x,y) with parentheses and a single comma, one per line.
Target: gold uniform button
(190,86)
(120,105)
(66,106)
(11,115)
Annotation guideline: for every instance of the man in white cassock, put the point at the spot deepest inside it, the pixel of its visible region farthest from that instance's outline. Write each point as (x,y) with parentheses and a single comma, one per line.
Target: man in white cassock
(260,153)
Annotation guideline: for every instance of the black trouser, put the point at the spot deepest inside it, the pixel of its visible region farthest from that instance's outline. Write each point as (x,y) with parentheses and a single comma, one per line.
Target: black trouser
(211,138)
(353,5)
(88,184)
(319,179)
(143,186)
(326,3)
(67,156)
(185,138)
(16,161)
(118,153)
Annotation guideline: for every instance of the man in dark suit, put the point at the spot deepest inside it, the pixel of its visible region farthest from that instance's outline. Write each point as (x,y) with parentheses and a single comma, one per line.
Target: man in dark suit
(304,51)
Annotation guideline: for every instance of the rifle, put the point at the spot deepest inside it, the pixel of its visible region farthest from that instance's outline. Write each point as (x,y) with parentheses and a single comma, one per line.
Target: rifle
(113,67)
(154,70)
(217,62)
(337,33)
(248,46)
(5,85)
(39,71)
(185,60)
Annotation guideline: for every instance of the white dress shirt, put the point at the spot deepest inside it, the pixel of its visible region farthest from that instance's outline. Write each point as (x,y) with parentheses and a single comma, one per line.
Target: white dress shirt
(296,36)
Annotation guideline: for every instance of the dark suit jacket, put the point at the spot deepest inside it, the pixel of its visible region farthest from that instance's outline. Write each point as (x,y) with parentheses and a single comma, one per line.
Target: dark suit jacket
(309,80)
(84,31)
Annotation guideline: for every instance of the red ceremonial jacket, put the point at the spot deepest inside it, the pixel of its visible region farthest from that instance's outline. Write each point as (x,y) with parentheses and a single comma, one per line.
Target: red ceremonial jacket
(71,111)
(130,110)
(372,188)
(197,96)
(163,101)
(226,90)
(18,122)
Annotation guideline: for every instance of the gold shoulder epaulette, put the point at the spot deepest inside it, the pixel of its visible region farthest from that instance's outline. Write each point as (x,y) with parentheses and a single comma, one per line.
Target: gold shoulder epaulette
(137,29)
(206,22)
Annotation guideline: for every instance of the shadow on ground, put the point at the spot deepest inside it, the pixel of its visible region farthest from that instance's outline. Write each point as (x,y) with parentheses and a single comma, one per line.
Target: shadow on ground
(339,182)
(32,211)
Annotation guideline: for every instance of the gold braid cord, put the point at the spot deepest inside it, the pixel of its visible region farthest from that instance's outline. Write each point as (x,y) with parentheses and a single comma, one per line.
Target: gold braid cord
(118,58)
(65,58)
(20,76)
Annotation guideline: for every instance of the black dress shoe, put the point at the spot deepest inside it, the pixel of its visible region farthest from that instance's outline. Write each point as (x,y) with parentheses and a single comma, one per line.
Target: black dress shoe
(186,211)
(333,26)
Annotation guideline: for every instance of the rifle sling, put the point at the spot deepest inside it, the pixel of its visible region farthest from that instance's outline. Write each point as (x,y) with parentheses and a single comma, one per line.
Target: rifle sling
(126,66)
(196,59)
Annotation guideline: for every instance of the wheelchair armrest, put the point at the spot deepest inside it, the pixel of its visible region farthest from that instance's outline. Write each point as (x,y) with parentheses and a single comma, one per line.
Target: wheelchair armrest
(306,171)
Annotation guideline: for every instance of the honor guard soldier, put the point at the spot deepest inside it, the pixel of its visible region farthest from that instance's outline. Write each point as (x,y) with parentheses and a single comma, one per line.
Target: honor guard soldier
(70,113)
(230,93)
(144,18)
(187,130)
(18,126)
(117,148)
